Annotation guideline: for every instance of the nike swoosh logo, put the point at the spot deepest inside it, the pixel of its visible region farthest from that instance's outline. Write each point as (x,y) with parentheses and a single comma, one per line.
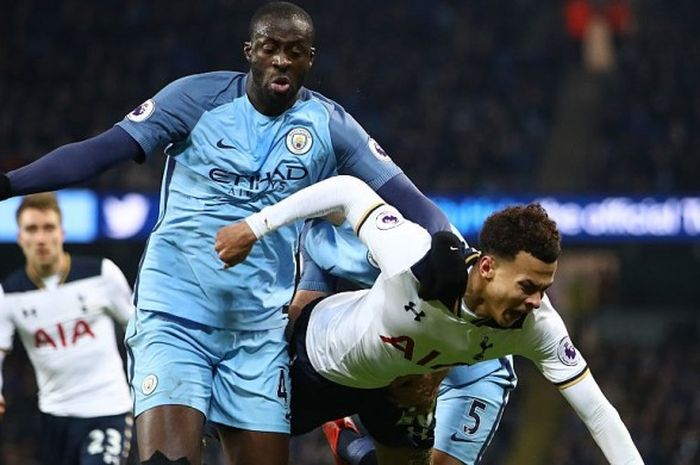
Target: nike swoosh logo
(456,438)
(453,248)
(222,145)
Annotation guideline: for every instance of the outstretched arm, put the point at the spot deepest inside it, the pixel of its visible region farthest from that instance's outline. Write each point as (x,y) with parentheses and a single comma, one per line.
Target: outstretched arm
(603,421)
(71,164)
(340,194)
(400,192)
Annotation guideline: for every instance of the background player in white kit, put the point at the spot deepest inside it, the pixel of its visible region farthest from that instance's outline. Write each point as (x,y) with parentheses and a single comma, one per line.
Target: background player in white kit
(423,315)
(63,308)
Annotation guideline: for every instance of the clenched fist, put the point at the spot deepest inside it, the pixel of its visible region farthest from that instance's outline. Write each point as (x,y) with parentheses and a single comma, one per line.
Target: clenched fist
(234,242)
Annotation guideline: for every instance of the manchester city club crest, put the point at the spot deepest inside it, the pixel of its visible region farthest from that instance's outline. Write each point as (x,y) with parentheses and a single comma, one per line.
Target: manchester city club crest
(149,384)
(299,141)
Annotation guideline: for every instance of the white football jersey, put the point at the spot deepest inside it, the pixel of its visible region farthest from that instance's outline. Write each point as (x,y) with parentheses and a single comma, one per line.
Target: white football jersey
(366,339)
(68,333)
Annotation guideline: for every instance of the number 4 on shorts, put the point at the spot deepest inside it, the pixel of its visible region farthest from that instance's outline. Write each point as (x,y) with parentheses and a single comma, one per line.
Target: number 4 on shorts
(282,386)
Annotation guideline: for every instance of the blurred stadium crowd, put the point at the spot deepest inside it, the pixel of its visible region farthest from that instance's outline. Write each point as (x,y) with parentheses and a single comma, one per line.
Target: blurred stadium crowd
(473,96)
(462,94)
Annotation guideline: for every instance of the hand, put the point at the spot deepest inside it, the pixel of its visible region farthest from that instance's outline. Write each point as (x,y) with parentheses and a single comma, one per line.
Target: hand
(234,242)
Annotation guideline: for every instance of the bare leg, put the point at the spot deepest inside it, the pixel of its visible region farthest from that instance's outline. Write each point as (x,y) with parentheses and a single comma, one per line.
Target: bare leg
(441,458)
(243,447)
(174,430)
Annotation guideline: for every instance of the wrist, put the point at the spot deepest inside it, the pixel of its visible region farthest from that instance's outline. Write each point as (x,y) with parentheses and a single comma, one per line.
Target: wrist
(5,187)
(259,224)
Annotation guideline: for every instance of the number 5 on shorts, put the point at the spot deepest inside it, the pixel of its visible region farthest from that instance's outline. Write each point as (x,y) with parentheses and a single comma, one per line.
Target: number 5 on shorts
(475,409)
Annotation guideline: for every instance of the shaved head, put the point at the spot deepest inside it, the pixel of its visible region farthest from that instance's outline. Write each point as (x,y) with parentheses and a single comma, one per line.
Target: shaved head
(279,10)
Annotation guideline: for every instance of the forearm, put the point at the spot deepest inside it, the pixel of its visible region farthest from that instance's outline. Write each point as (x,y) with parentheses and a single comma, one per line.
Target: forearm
(74,163)
(603,421)
(400,192)
(339,194)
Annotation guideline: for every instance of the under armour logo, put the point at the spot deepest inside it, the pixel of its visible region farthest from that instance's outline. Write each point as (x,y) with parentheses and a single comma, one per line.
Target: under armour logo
(28,313)
(484,344)
(412,308)
(83,307)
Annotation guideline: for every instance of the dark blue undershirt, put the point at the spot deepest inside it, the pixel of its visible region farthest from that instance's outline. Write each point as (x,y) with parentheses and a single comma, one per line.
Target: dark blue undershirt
(77,162)
(74,163)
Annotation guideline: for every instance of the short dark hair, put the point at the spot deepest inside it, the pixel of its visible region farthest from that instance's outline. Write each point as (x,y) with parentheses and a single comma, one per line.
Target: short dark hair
(284,10)
(521,228)
(44,202)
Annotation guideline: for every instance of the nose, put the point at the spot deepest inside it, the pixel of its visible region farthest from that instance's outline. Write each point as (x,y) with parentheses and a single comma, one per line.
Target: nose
(281,60)
(42,237)
(534,301)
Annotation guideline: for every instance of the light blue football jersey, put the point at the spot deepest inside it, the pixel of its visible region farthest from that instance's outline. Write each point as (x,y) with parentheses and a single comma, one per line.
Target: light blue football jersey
(225,160)
(337,251)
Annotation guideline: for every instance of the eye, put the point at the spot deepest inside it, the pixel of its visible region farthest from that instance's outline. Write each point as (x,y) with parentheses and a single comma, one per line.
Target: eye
(529,289)
(296,52)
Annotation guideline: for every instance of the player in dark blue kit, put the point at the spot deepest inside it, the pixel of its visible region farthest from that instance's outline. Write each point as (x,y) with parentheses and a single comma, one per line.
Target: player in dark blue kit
(207,341)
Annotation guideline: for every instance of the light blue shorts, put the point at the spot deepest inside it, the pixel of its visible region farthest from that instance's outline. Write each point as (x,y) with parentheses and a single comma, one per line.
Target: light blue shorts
(235,378)
(467,416)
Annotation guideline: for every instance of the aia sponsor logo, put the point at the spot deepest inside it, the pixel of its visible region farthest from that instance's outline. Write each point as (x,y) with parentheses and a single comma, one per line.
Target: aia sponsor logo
(63,335)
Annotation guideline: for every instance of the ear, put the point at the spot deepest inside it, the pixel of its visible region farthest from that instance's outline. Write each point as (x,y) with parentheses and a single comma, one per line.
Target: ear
(487,266)
(248,50)
(312,56)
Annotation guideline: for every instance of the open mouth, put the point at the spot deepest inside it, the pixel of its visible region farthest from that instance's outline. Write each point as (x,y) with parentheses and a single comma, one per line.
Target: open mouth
(281,84)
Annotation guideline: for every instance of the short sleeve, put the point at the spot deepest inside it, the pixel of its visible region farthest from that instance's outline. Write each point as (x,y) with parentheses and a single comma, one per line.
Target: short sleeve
(550,347)
(393,242)
(173,112)
(118,291)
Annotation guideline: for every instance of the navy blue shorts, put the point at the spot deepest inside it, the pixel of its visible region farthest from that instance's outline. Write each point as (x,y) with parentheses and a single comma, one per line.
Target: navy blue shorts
(85,441)
(316,400)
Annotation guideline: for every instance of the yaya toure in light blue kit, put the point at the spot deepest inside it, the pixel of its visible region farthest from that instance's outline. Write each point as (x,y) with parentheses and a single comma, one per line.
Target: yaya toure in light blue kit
(471,398)
(204,336)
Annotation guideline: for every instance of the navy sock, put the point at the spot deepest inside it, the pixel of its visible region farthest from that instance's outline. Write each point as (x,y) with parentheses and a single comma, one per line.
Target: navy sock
(356,449)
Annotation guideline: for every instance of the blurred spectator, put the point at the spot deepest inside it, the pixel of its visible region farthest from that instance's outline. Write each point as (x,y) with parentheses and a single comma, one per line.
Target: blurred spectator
(461,94)
(657,387)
